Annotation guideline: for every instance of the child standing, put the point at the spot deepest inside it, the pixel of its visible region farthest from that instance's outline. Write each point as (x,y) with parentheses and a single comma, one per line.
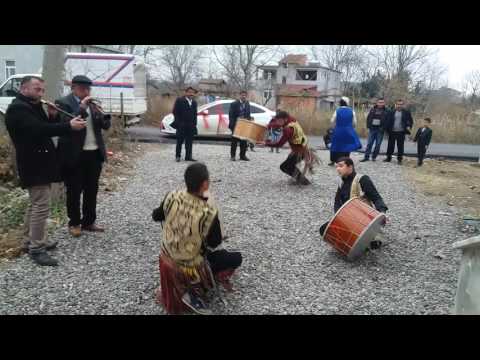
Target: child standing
(274,133)
(423,138)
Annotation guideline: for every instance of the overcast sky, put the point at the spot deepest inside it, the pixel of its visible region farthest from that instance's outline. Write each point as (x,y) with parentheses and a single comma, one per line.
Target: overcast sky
(459,60)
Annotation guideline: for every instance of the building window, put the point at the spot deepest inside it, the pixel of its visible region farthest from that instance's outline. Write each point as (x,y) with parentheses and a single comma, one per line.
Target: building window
(267,94)
(307,75)
(9,68)
(269,74)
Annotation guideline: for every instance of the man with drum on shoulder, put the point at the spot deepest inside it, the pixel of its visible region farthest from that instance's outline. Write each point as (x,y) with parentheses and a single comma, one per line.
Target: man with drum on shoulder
(355,185)
(239,109)
(294,135)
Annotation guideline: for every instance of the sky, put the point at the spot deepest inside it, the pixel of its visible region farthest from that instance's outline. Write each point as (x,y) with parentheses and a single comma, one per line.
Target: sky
(459,60)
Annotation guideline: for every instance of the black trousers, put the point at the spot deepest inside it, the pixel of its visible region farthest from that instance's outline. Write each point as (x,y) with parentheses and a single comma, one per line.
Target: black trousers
(233,147)
(184,135)
(334,156)
(399,138)
(82,179)
(221,260)
(289,166)
(421,151)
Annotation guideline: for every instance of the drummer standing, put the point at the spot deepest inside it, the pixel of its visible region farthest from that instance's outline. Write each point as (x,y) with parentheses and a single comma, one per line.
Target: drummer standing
(355,185)
(239,109)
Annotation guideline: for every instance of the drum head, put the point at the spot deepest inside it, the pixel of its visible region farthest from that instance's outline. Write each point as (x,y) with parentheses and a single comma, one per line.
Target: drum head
(366,237)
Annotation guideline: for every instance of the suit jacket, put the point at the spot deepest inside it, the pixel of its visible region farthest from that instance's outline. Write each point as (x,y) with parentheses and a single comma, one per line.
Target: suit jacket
(31,130)
(185,116)
(407,120)
(70,147)
(424,137)
(234,113)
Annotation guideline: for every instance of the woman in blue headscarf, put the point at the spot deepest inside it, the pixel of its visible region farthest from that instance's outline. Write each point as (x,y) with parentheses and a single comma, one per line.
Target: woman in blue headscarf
(344,138)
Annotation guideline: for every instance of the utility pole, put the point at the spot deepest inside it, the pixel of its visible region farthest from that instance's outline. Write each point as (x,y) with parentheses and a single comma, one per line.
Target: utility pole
(53,72)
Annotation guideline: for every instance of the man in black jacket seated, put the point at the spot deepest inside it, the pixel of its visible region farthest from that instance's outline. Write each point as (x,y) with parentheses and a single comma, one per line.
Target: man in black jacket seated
(354,184)
(31,130)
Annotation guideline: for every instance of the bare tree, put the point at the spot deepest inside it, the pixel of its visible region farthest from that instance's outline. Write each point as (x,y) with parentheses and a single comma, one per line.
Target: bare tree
(241,62)
(347,59)
(471,86)
(179,64)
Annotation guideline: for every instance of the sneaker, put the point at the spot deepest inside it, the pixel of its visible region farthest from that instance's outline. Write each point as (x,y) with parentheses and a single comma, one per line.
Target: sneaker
(232,158)
(25,248)
(43,259)
(177,159)
(363,160)
(195,304)
(387,160)
(373,159)
(190,159)
(244,158)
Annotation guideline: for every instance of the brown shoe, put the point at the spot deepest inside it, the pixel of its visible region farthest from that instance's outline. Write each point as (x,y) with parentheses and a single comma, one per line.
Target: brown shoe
(75,231)
(93,228)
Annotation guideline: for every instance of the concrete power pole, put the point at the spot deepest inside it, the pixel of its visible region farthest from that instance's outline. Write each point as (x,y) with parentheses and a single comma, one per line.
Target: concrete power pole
(53,71)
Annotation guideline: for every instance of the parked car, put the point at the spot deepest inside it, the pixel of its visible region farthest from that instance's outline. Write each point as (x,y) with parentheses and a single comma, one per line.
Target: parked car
(213,118)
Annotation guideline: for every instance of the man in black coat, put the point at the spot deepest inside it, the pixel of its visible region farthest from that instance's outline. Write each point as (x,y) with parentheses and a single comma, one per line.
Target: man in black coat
(423,138)
(31,130)
(398,123)
(82,155)
(185,122)
(238,109)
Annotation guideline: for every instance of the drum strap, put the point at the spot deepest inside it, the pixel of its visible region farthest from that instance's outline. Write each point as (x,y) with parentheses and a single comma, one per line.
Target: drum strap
(356,190)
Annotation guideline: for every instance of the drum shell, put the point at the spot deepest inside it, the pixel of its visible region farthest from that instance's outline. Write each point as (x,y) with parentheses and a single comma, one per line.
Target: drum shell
(353,227)
(249,130)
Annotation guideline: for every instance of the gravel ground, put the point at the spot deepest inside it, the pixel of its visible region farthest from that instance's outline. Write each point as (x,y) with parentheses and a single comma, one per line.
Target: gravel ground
(287,269)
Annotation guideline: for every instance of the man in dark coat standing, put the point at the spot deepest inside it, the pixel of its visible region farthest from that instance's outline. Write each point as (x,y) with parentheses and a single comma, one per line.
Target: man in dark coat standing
(31,130)
(185,122)
(82,155)
(398,123)
(238,109)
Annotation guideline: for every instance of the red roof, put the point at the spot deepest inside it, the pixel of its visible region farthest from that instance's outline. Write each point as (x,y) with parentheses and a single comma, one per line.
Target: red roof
(298,90)
(294,59)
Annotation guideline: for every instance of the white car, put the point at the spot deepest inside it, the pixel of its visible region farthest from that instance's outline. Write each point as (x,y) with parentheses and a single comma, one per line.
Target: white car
(213,119)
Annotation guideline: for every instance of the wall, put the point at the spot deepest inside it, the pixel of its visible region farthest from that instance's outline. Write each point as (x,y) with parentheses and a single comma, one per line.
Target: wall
(28,58)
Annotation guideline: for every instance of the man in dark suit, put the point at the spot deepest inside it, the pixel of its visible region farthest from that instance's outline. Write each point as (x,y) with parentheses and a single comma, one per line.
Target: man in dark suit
(423,138)
(238,109)
(398,123)
(82,155)
(185,122)
(31,130)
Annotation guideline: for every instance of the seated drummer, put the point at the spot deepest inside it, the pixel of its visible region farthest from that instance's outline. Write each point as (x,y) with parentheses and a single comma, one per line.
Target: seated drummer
(355,185)
(298,141)
(190,228)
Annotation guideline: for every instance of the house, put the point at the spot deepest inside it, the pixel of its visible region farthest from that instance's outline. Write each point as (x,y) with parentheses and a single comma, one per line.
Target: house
(296,82)
(27,59)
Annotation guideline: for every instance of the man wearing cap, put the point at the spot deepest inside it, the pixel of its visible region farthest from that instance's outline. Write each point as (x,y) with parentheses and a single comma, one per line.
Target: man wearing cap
(82,155)
(185,122)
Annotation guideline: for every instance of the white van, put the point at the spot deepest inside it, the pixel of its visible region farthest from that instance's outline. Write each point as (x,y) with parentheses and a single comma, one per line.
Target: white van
(117,79)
